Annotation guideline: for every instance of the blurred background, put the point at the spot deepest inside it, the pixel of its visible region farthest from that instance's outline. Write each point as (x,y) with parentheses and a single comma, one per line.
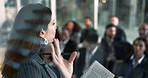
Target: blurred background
(131,13)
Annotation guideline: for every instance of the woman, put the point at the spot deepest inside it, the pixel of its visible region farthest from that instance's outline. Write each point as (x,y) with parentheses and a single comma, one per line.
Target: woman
(137,65)
(75,28)
(33,28)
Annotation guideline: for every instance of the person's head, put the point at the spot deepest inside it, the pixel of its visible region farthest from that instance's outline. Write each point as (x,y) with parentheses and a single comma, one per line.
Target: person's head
(73,26)
(139,47)
(65,33)
(88,22)
(91,40)
(114,20)
(143,30)
(110,32)
(70,25)
(32,23)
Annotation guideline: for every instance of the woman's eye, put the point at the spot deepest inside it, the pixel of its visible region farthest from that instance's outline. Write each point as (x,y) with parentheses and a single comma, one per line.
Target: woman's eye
(53,24)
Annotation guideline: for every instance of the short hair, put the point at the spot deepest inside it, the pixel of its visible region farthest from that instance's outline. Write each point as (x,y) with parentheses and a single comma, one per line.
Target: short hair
(88,18)
(92,36)
(110,25)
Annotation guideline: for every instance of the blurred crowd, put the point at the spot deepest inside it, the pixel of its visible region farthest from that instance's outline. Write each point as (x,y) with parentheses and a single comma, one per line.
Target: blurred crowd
(113,51)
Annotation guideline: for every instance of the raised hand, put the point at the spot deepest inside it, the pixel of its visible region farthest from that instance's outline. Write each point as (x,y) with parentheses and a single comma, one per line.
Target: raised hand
(65,67)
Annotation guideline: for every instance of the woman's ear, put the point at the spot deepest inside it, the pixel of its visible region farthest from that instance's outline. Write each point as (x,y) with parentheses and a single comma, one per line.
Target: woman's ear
(42,33)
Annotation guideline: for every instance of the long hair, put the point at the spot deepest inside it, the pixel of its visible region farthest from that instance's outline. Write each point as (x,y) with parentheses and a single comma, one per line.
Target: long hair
(24,37)
(76,28)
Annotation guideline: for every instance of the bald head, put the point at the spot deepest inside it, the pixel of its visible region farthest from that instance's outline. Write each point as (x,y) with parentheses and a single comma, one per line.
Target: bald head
(143,30)
(114,20)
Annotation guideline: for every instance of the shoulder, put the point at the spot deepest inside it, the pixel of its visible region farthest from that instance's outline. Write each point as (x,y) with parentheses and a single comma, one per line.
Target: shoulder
(72,42)
(29,69)
(84,30)
(119,29)
(145,62)
(30,62)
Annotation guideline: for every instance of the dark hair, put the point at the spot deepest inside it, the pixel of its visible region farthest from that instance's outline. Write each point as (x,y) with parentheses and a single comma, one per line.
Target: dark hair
(122,49)
(132,50)
(92,36)
(24,37)
(141,39)
(76,28)
(88,18)
(110,25)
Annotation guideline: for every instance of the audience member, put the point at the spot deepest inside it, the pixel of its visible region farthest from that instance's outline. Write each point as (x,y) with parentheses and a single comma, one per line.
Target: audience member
(143,33)
(120,35)
(75,28)
(67,45)
(88,28)
(88,54)
(121,49)
(136,66)
(107,45)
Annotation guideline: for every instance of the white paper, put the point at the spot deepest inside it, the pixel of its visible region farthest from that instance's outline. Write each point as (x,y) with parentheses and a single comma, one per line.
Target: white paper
(97,70)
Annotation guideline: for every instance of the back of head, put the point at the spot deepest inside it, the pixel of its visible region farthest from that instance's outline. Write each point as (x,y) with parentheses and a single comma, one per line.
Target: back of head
(110,25)
(92,37)
(24,37)
(122,49)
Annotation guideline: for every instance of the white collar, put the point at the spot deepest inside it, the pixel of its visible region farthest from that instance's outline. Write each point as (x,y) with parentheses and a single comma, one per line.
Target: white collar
(139,60)
(94,50)
(65,41)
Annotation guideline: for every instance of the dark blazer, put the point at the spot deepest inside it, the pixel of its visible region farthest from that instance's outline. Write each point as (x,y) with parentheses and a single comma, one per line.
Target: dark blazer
(120,35)
(140,71)
(69,48)
(99,56)
(105,46)
(35,67)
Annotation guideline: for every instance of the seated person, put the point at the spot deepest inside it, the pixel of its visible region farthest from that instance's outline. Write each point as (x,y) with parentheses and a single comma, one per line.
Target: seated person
(136,66)
(66,44)
(88,54)
(107,43)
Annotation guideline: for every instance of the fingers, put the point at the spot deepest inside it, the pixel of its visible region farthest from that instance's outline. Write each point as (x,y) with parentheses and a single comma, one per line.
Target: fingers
(53,54)
(73,56)
(56,43)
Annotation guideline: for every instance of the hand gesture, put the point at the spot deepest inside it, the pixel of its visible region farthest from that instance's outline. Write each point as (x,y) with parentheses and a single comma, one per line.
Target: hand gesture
(65,67)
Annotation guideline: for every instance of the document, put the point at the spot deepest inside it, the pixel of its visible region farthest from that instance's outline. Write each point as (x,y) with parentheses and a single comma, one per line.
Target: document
(96,70)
